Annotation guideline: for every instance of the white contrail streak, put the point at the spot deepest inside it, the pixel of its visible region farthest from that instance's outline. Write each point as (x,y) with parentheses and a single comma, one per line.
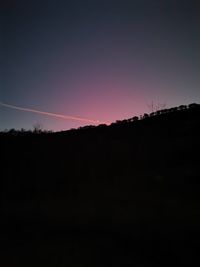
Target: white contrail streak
(55,115)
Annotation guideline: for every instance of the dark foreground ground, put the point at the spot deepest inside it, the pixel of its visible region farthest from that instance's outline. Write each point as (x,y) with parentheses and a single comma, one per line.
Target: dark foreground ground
(124,195)
(99,247)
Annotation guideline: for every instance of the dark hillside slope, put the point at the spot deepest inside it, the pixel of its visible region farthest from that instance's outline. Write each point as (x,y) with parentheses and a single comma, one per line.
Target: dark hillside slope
(125,195)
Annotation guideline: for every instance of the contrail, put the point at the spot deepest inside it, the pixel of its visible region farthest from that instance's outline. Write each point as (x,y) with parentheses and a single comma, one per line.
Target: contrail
(55,115)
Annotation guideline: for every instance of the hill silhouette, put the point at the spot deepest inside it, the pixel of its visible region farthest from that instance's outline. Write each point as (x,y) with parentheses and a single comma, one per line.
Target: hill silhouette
(127,194)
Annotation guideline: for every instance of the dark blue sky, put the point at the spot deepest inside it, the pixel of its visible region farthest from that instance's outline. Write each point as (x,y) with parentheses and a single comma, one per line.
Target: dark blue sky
(96,59)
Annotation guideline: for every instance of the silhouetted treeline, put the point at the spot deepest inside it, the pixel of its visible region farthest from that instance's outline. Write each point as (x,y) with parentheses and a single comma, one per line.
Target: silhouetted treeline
(127,194)
(165,111)
(38,130)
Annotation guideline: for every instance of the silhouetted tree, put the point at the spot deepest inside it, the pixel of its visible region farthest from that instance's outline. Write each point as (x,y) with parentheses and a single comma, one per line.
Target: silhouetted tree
(118,122)
(86,127)
(145,116)
(158,112)
(37,128)
(174,109)
(194,105)
(13,131)
(182,107)
(164,111)
(135,118)
(102,125)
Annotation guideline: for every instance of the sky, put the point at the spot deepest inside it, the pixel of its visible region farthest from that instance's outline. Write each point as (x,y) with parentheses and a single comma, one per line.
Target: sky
(95,61)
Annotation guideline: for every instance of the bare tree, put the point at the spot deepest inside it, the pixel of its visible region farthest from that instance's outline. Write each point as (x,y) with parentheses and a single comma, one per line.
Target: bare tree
(37,127)
(155,107)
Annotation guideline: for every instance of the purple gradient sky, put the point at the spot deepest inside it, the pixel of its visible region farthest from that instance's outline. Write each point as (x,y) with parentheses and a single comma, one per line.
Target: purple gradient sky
(97,59)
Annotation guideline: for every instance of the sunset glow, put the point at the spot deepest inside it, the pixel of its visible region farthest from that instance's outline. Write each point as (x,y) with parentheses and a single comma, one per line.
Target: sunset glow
(98,61)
